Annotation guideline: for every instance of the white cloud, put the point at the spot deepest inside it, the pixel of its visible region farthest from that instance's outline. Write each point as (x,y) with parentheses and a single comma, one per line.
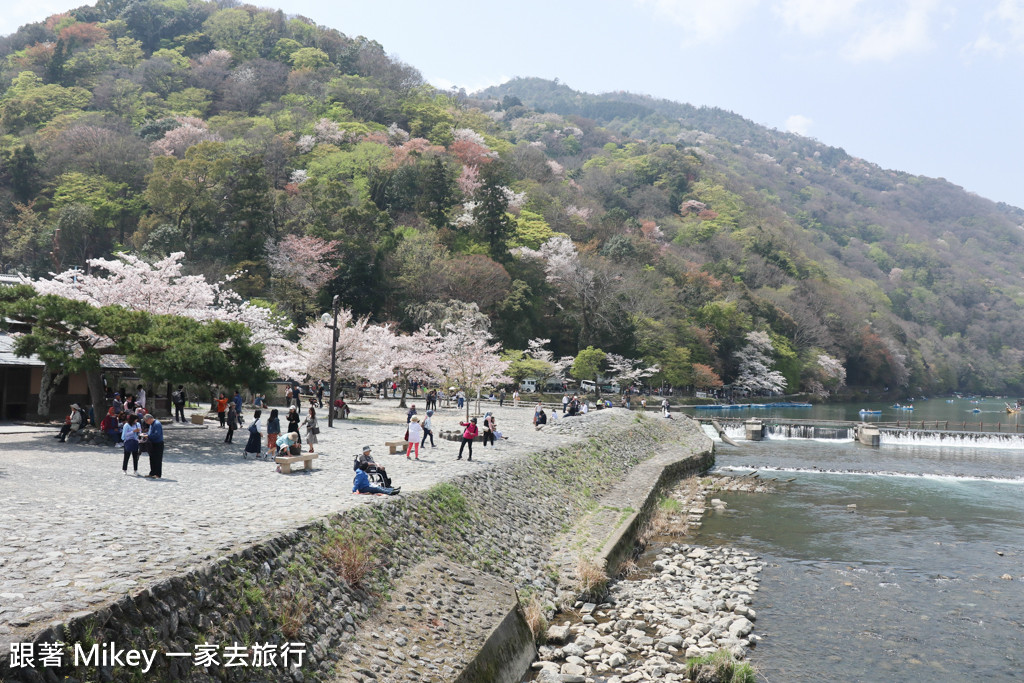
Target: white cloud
(799,124)
(704,21)
(893,36)
(1003,30)
(445,84)
(815,17)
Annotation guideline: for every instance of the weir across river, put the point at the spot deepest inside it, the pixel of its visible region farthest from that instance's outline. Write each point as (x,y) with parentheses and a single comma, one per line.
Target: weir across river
(921,432)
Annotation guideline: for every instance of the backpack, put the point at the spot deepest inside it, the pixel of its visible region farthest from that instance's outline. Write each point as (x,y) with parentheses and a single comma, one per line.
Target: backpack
(176,396)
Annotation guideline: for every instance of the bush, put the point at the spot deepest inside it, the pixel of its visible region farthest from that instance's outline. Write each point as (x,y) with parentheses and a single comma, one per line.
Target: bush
(591,579)
(349,552)
(719,667)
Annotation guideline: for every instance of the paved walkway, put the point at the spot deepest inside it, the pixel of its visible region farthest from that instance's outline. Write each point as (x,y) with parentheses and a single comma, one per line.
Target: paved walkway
(77,533)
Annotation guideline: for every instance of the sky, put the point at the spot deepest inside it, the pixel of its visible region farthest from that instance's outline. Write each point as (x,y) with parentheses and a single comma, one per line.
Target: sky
(931,87)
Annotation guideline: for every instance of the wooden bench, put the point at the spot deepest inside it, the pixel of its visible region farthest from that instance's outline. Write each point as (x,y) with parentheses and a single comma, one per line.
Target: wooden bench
(394,446)
(286,461)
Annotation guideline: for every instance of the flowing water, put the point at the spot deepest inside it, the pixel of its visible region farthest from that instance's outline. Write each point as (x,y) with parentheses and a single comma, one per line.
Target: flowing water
(884,563)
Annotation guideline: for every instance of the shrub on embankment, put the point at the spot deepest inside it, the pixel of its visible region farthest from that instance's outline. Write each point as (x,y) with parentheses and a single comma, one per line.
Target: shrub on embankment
(312,585)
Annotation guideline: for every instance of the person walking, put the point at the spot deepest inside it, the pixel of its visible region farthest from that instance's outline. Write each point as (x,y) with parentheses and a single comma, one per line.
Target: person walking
(140,396)
(178,398)
(130,434)
(155,438)
(468,436)
(501,398)
(238,406)
(409,415)
(273,431)
(460,397)
(232,420)
(515,398)
(428,430)
(222,408)
(489,428)
(312,429)
(255,443)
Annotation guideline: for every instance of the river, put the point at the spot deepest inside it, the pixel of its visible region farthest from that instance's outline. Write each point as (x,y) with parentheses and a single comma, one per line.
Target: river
(886,563)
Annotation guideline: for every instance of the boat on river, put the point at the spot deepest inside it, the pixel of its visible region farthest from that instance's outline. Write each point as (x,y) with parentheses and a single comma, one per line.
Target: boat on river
(897,406)
(870,412)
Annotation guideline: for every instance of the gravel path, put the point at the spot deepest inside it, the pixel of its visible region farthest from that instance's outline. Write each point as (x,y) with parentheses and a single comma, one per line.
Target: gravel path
(79,534)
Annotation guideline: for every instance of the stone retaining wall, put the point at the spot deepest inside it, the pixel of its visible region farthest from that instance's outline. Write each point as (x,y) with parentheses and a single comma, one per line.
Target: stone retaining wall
(501,520)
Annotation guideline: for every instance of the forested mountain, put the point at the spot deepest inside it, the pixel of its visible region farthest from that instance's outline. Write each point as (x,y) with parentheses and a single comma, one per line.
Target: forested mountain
(315,164)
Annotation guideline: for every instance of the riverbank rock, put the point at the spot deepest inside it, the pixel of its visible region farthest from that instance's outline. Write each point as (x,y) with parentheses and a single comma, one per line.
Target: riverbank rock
(693,601)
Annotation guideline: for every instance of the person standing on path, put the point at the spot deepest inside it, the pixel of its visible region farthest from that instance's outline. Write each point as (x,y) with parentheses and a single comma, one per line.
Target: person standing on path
(409,415)
(140,396)
(501,398)
(255,443)
(312,429)
(130,433)
(468,436)
(415,435)
(489,428)
(273,431)
(238,406)
(428,430)
(232,420)
(515,398)
(293,421)
(155,437)
(178,398)
(222,408)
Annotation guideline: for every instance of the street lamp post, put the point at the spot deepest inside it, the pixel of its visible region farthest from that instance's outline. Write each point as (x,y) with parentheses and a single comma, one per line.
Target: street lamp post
(334,361)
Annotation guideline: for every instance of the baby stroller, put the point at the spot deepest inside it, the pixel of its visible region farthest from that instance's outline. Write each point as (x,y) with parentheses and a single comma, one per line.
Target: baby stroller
(377,477)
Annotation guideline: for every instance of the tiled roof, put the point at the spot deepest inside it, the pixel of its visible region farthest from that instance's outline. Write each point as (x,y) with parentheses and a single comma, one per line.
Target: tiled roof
(7,356)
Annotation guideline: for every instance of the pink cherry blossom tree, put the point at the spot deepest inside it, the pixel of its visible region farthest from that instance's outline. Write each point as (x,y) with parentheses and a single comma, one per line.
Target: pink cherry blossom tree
(627,371)
(466,358)
(413,356)
(162,287)
(303,259)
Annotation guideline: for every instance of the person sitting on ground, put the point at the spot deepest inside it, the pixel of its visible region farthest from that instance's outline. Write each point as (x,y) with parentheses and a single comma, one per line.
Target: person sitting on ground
(541,420)
(361,483)
(72,423)
(371,465)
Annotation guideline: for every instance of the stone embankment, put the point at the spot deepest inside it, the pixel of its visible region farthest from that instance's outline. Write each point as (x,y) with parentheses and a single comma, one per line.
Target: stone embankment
(319,588)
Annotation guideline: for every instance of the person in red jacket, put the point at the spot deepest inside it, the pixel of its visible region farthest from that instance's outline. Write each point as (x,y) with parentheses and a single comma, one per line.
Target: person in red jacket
(468,436)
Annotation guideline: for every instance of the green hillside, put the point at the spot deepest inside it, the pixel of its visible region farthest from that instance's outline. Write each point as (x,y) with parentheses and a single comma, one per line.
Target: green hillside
(237,134)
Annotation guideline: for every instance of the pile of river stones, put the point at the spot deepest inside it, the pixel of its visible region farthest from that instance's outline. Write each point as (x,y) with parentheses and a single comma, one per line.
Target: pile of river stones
(696,601)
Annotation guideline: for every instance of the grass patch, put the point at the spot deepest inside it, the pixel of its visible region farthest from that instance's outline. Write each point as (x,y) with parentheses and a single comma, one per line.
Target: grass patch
(534,613)
(719,667)
(664,520)
(350,553)
(591,579)
(448,506)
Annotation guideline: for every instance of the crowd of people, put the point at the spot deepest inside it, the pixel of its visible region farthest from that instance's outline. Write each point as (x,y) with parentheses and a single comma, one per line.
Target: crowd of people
(131,426)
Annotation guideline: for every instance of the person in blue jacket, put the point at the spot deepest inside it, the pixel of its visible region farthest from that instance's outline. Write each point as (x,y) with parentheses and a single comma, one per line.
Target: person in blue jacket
(362,483)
